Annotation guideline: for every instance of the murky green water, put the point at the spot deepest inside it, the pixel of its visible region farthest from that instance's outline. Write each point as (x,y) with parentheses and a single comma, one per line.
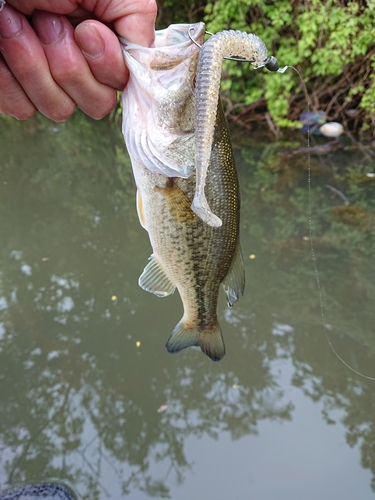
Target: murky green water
(88,394)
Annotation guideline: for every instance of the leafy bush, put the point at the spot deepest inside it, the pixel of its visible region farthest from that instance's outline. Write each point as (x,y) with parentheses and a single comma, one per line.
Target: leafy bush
(331,43)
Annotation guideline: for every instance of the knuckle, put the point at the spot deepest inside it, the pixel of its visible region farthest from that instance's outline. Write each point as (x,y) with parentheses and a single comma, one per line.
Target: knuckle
(24,114)
(15,103)
(60,113)
(102,108)
(64,76)
(19,112)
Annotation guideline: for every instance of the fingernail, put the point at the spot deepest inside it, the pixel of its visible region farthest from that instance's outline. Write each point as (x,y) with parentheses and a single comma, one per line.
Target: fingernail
(89,40)
(48,26)
(10,22)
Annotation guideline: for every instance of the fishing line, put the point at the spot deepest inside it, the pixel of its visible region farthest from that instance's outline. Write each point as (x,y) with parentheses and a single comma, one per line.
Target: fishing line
(271,63)
(322,312)
(313,257)
(368,377)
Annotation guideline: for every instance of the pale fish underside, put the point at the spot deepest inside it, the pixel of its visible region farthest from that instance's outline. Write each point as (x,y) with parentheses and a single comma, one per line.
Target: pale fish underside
(158,125)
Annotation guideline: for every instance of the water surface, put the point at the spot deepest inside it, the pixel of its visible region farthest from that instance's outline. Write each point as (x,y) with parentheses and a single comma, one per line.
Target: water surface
(89,395)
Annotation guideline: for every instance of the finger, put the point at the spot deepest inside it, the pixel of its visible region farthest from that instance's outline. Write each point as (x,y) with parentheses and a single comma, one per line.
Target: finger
(103,53)
(70,8)
(135,20)
(69,67)
(26,60)
(138,27)
(57,6)
(13,100)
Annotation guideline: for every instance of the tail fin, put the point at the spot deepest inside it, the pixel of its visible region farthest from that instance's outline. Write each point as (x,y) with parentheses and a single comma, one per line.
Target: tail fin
(210,341)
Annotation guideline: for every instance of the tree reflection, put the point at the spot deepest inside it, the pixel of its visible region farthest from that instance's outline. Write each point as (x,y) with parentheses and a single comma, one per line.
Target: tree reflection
(344,250)
(79,396)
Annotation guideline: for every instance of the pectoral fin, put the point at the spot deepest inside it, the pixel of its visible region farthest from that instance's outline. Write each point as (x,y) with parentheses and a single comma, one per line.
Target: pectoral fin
(234,281)
(154,280)
(178,203)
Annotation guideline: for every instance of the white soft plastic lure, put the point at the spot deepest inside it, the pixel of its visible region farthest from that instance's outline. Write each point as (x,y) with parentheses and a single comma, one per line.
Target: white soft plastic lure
(207,88)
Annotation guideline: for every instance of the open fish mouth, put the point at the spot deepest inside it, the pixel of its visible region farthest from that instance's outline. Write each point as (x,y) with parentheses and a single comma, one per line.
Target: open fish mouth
(172,45)
(159,101)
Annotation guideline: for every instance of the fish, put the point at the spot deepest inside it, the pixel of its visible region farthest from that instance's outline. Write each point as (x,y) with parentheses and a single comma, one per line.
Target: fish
(159,127)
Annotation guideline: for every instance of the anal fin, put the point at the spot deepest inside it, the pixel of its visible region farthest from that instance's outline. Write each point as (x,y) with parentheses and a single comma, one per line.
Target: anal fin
(154,280)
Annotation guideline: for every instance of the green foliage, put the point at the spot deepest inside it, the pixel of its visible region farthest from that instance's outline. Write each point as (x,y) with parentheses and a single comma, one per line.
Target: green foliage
(175,11)
(330,43)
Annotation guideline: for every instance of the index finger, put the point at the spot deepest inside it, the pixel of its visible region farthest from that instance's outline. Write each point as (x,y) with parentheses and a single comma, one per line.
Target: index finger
(57,6)
(132,19)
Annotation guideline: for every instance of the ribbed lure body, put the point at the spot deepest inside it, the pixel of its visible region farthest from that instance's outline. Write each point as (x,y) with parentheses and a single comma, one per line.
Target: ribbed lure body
(207,87)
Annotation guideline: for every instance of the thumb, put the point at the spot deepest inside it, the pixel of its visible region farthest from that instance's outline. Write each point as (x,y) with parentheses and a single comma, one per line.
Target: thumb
(137,22)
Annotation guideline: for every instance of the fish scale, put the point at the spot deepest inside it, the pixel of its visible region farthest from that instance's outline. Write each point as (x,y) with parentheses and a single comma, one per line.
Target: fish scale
(188,254)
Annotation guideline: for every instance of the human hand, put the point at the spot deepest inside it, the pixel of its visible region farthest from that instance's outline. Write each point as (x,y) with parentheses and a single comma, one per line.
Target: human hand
(47,65)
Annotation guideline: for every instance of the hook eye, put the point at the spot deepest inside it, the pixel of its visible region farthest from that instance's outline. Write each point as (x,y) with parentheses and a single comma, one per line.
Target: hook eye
(271,63)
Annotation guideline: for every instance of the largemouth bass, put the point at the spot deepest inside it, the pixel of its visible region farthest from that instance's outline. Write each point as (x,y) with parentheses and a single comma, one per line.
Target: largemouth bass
(159,125)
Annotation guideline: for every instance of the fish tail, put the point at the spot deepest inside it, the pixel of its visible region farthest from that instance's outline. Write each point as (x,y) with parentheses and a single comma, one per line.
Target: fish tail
(209,340)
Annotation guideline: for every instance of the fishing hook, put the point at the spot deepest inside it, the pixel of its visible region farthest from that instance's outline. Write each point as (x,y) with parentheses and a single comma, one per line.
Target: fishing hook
(192,39)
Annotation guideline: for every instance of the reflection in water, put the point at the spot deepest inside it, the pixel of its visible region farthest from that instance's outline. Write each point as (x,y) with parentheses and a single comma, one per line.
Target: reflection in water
(83,369)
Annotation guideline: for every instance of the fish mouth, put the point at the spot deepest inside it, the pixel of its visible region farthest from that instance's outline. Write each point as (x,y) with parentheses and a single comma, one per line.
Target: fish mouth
(172,45)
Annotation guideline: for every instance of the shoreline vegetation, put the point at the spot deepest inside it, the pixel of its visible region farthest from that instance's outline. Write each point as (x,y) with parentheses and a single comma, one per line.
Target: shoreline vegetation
(331,44)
